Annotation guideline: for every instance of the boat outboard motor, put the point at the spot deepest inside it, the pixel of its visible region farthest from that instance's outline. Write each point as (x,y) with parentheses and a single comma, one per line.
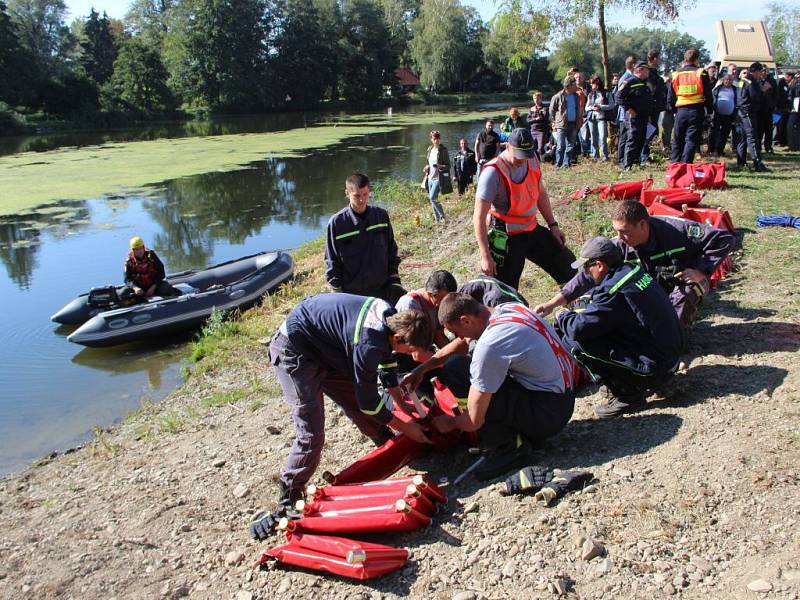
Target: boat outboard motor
(103,297)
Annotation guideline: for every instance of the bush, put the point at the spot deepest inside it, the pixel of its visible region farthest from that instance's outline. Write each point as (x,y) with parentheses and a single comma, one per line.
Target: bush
(11,121)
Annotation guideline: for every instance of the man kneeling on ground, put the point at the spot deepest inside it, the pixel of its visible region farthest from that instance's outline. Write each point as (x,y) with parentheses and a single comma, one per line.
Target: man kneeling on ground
(629,334)
(518,385)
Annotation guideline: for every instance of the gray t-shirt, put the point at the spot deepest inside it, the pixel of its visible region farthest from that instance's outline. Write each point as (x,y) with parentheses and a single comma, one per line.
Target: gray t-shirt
(516,350)
(492,189)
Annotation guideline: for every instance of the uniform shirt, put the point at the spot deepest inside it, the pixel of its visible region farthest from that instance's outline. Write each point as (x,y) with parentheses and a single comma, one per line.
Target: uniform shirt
(360,251)
(693,245)
(492,188)
(491,292)
(634,93)
(629,320)
(518,351)
(488,143)
(708,98)
(749,99)
(347,334)
(659,89)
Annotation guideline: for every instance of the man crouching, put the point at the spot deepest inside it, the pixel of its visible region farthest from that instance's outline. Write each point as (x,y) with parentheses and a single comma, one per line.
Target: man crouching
(518,384)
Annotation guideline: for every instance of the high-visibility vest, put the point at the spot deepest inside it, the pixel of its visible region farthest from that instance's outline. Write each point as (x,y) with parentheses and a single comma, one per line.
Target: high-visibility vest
(523,197)
(688,87)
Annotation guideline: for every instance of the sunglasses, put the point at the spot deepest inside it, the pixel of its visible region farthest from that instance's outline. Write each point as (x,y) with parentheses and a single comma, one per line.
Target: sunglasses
(435,133)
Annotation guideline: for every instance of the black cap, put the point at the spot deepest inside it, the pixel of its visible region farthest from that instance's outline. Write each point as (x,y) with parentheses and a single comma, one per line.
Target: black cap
(520,141)
(598,247)
(641,63)
(756,66)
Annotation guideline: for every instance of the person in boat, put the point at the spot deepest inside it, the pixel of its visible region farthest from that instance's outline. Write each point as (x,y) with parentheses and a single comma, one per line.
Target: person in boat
(628,334)
(341,345)
(360,251)
(144,274)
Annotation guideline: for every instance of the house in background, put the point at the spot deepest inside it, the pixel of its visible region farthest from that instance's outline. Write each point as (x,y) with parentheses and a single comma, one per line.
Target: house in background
(407,80)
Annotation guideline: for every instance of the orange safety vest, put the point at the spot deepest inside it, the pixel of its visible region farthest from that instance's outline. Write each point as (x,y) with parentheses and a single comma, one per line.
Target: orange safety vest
(688,87)
(523,197)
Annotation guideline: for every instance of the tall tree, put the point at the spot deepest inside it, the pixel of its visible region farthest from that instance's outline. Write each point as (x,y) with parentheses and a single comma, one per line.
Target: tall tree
(139,81)
(16,84)
(149,18)
(399,14)
(368,59)
(783,22)
(41,29)
(99,48)
(517,33)
(439,43)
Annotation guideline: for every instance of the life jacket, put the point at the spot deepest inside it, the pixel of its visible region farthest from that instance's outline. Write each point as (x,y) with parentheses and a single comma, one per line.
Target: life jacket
(570,372)
(688,87)
(523,197)
(144,270)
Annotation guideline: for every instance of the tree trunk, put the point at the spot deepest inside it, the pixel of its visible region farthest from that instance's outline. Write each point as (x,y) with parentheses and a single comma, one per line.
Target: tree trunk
(601,21)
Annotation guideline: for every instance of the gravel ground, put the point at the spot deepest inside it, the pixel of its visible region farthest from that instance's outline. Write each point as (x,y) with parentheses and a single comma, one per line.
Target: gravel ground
(695,497)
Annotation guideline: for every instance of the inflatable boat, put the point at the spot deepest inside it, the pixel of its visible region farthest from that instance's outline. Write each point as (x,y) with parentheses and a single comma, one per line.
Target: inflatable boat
(233,285)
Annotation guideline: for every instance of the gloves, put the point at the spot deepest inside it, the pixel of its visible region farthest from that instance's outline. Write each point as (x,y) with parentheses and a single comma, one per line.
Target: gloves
(562,483)
(264,525)
(529,479)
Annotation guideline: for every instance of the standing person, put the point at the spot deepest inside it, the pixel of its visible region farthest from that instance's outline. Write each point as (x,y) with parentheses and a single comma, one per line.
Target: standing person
(689,98)
(783,108)
(512,192)
(659,90)
(566,117)
(733,71)
(340,345)
(144,274)
(464,166)
(437,172)
(793,122)
(539,122)
(667,123)
(724,115)
(713,74)
(597,107)
(584,135)
(512,122)
(360,251)
(769,87)
(749,102)
(622,114)
(487,144)
(636,99)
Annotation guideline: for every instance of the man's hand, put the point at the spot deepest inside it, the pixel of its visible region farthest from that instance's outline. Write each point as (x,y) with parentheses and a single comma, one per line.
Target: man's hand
(488,266)
(415,432)
(691,276)
(444,423)
(412,380)
(137,290)
(543,309)
(556,232)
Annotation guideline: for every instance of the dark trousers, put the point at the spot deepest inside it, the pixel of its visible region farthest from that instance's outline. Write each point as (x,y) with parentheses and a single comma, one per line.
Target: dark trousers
(391,292)
(764,141)
(164,288)
(720,131)
(637,128)
(780,129)
(513,409)
(303,381)
(622,141)
(620,380)
(540,138)
(793,131)
(646,149)
(747,135)
(687,133)
(540,247)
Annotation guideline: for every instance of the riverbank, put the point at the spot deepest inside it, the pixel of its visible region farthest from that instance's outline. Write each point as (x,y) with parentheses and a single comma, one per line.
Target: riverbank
(696,497)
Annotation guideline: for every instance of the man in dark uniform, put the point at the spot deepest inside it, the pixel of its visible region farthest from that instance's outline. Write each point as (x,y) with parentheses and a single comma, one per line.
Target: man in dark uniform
(659,90)
(769,88)
(680,254)
(636,99)
(491,292)
(487,145)
(360,251)
(628,335)
(749,103)
(689,97)
(784,108)
(339,345)
(144,274)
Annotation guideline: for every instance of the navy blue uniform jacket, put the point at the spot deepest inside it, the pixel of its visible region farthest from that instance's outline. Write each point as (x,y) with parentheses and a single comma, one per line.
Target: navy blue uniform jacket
(635,93)
(693,245)
(347,334)
(629,321)
(360,251)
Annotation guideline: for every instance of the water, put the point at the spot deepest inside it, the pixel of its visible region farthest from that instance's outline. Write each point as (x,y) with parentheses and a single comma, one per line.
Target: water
(55,392)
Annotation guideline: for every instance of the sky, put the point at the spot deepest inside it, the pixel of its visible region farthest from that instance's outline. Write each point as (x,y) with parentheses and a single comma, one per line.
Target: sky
(698,22)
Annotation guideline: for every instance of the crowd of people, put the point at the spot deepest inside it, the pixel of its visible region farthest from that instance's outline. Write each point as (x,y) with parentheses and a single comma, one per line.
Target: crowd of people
(622,315)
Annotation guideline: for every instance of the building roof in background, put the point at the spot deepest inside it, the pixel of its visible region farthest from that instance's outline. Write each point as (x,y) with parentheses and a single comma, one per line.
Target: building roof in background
(743,42)
(406,76)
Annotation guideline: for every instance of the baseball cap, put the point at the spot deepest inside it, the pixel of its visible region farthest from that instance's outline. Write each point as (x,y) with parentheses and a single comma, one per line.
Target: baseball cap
(137,242)
(641,63)
(598,247)
(521,143)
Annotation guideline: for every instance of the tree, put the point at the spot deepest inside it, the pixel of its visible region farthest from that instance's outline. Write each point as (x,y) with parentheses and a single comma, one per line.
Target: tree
(399,14)
(41,30)
(99,48)
(16,84)
(139,81)
(367,57)
(439,44)
(516,34)
(783,22)
(149,18)
(580,50)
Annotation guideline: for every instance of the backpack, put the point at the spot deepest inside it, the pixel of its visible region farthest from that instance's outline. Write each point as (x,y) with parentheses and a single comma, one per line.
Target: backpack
(702,176)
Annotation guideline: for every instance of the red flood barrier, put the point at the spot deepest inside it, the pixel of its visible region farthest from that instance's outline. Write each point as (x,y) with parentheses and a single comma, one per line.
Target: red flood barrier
(340,556)
(383,487)
(361,504)
(623,190)
(449,405)
(381,462)
(399,516)
(675,197)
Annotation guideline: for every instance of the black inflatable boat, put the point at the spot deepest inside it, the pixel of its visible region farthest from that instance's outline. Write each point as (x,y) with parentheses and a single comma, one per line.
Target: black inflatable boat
(236,284)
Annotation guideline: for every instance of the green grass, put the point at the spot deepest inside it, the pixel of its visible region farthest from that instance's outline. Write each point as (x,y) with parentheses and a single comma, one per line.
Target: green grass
(224,398)
(170,422)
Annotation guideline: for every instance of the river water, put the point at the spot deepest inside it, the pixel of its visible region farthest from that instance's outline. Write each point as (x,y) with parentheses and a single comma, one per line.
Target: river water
(55,392)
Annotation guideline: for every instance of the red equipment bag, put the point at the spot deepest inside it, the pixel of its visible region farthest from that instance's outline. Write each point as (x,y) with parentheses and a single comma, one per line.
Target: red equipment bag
(382,487)
(676,197)
(398,516)
(703,176)
(340,556)
(380,463)
(659,209)
(716,217)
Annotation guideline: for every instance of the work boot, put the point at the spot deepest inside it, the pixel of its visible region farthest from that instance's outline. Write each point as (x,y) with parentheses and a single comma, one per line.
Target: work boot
(619,405)
(760,167)
(286,501)
(504,459)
